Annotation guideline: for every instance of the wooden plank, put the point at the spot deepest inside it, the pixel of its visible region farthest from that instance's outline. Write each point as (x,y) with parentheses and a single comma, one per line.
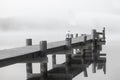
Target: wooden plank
(21,59)
(14,52)
(7,53)
(89,37)
(29,53)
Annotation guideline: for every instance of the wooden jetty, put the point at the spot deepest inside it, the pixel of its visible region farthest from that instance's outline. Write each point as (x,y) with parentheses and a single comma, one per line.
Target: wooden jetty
(80,51)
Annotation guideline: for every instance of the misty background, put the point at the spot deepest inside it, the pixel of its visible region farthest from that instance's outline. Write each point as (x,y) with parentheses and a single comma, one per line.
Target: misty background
(50,20)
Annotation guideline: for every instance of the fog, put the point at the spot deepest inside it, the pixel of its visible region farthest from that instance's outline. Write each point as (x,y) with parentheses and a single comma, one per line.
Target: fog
(48,19)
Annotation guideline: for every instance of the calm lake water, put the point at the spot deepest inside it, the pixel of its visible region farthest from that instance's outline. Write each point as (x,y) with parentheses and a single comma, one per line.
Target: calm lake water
(18,71)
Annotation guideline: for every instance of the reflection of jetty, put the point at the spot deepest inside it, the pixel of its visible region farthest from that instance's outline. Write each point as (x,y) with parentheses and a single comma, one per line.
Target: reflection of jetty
(80,51)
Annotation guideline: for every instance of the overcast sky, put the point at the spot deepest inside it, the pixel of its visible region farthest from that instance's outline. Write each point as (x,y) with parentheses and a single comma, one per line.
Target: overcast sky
(57,8)
(60,13)
(53,8)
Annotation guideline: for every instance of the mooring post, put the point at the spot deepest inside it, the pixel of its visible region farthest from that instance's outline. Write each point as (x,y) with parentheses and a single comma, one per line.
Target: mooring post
(43,65)
(76,50)
(76,35)
(104,33)
(85,38)
(94,33)
(94,51)
(28,65)
(72,36)
(53,60)
(69,53)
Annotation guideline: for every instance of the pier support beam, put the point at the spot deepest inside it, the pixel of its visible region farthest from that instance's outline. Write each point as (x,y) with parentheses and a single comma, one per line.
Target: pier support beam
(94,50)
(104,33)
(94,67)
(104,68)
(43,65)
(53,60)
(29,65)
(85,72)
(83,64)
(76,50)
(69,53)
(76,35)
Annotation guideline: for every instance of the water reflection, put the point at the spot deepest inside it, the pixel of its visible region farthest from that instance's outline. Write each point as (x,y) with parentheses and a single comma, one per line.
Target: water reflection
(86,60)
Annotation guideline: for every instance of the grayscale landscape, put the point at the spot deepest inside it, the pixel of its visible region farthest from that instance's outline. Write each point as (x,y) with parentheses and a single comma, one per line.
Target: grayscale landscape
(50,20)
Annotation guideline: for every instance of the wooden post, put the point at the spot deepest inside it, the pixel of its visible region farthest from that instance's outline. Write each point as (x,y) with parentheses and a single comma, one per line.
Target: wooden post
(94,67)
(72,36)
(94,33)
(68,54)
(53,60)
(82,51)
(28,65)
(93,51)
(85,72)
(76,50)
(76,35)
(43,65)
(85,38)
(104,33)
(83,64)
(104,68)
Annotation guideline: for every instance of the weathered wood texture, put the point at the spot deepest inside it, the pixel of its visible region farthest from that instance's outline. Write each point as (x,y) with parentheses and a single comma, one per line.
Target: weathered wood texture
(28,65)
(87,49)
(7,53)
(33,53)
